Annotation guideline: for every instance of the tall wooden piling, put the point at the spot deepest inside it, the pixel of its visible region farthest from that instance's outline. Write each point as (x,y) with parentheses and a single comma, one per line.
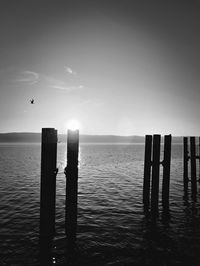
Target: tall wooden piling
(48,182)
(147,170)
(193,166)
(71,172)
(155,173)
(185,164)
(166,170)
(199,159)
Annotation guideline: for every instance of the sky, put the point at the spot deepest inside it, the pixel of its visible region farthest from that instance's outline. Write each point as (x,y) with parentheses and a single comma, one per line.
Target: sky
(119,67)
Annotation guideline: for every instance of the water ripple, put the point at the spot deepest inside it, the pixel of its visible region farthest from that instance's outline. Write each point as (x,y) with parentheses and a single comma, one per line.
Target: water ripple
(112,227)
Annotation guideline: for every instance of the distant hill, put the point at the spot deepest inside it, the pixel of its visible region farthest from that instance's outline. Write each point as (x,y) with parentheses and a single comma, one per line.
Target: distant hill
(36,138)
(111,139)
(20,137)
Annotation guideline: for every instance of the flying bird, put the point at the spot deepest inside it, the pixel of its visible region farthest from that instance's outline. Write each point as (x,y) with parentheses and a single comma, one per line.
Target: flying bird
(32,101)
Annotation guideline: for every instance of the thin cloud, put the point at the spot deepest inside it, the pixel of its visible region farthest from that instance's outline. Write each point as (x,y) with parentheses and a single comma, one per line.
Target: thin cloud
(29,77)
(61,85)
(81,86)
(69,70)
(65,87)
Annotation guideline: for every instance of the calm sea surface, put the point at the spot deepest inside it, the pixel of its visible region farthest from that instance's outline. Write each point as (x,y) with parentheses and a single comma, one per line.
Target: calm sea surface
(112,227)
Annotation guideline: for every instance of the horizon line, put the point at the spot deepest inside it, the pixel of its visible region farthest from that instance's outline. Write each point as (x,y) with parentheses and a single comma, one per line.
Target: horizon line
(30,132)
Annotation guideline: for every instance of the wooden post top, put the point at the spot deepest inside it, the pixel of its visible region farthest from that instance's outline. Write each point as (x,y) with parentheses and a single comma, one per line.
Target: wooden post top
(168,137)
(156,139)
(49,135)
(73,136)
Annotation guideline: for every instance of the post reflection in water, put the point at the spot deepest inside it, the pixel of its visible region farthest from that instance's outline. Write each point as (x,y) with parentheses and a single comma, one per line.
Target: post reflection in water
(54,253)
(112,227)
(46,245)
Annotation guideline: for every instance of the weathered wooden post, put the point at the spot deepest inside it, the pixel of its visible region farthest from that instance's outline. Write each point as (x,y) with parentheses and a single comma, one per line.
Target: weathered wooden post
(155,174)
(185,164)
(48,182)
(199,159)
(166,170)
(45,255)
(193,166)
(147,170)
(71,172)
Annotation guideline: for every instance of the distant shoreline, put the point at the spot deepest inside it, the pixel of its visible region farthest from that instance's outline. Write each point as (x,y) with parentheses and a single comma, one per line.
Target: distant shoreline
(28,137)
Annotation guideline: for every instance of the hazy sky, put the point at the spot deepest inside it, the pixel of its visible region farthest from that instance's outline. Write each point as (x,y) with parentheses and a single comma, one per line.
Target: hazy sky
(119,67)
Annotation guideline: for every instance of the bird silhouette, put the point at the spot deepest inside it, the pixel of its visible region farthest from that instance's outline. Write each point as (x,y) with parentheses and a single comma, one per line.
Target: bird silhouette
(32,101)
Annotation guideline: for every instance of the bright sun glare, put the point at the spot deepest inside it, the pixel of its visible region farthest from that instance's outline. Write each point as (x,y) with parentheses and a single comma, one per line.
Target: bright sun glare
(73,124)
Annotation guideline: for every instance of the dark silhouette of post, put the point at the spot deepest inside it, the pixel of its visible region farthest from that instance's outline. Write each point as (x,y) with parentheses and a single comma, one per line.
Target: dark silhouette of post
(166,170)
(199,159)
(48,182)
(71,172)
(193,166)
(185,164)
(45,252)
(155,174)
(147,170)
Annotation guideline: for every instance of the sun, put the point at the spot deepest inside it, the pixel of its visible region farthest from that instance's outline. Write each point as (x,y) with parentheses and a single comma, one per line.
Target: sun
(73,124)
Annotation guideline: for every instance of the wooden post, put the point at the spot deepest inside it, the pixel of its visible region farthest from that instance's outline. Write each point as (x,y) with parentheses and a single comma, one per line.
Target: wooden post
(166,170)
(155,174)
(48,182)
(193,166)
(71,172)
(199,159)
(147,170)
(185,164)
(45,252)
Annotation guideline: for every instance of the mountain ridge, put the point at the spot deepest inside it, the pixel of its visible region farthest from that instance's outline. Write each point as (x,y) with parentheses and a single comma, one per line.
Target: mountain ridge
(30,137)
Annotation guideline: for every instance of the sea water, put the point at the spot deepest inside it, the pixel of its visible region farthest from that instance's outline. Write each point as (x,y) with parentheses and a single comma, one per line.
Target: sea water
(112,226)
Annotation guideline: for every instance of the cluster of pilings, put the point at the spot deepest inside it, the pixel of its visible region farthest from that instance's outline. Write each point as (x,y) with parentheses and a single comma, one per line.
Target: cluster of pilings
(152,172)
(150,185)
(49,171)
(190,155)
(151,177)
(48,183)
